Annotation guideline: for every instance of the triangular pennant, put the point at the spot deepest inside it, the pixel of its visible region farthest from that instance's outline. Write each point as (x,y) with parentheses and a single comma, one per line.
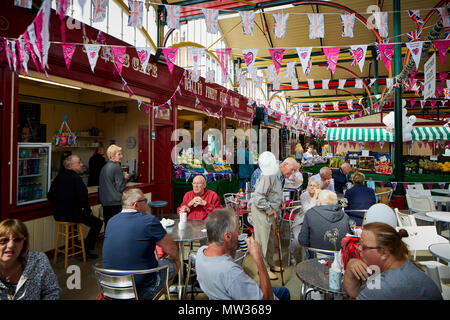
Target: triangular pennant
(412,102)
(332,56)
(250,56)
(304,53)
(290,70)
(281,19)
(394,185)
(442,77)
(211,20)
(170,55)
(82,3)
(430,185)
(277,57)
(196,55)
(68,51)
(358,54)
(144,55)
(387,53)
(247,21)
(441,184)
(433,103)
(405,185)
(415,16)
(381,143)
(92,54)
(442,46)
(119,56)
(358,83)
(416,51)
(311,84)
(223,56)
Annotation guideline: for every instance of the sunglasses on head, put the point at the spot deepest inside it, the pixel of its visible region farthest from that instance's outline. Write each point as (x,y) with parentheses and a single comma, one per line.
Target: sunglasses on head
(4,241)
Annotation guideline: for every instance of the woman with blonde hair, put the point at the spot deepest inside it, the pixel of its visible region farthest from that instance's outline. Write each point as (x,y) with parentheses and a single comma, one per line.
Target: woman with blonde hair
(393,277)
(24,274)
(298,152)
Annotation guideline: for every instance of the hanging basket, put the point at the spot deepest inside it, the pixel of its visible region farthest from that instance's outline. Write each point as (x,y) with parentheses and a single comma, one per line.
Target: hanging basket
(64,137)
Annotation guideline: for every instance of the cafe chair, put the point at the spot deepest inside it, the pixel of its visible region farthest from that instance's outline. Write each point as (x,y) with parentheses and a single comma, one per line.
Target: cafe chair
(419,206)
(404,219)
(415,186)
(440,274)
(356,215)
(295,191)
(72,233)
(120,284)
(288,217)
(313,253)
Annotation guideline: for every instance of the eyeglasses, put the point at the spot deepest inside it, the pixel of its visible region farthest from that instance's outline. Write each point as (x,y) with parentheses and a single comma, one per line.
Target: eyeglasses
(197,183)
(143,200)
(364,247)
(4,241)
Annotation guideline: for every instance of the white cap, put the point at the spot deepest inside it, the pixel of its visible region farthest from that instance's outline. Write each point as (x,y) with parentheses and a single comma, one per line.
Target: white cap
(267,163)
(381,213)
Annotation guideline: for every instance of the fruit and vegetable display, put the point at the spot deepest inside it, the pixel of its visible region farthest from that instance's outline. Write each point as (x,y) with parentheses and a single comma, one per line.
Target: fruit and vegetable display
(383,167)
(190,163)
(336,162)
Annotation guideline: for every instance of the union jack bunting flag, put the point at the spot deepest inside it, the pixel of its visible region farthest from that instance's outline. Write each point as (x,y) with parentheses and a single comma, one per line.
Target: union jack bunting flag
(445,18)
(247,21)
(23,3)
(336,106)
(414,36)
(350,104)
(99,10)
(281,20)
(348,21)
(311,107)
(316,25)
(381,21)
(322,106)
(447,93)
(211,18)
(415,16)
(136,13)
(173,16)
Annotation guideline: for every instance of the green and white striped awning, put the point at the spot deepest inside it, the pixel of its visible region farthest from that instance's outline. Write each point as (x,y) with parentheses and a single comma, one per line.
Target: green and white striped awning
(431,133)
(381,134)
(359,134)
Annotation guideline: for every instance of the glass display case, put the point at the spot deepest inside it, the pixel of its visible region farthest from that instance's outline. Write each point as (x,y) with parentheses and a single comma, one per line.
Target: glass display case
(33,174)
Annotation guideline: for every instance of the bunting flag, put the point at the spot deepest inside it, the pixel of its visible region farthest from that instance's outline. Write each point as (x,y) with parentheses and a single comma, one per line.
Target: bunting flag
(45,31)
(23,54)
(304,53)
(412,102)
(442,46)
(348,21)
(311,107)
(445,19)
(170,55)
(332,56)
(381,143)
(390,83)
(341,83)
(322,106)
(277,57)
(416,51)
(82,3)
(68,51)
(136,13)
(358,83)
(325,83)
(358,54)
(210,76)
(92,54)
(211,20)
(247,21)
(277,83)
(415,16)
(316,25)
(441,185)
(336,105)
(250,57)
(119,56)
(196,55)
(223,56)
(99,10)
(433,103)
(23,3)
(442,77)
(372,81)
(311,84)
(281,20)
(271,73)
(381,21)
(32,39)
(61,8)
(144,55)
(173,16)
(350,104)
(447,93)
(290,70)
(422,103)
(294,83)
(414,36)
(386,53)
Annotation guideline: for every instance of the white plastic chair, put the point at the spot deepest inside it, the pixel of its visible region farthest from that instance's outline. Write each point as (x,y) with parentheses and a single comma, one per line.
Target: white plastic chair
(419,206)
(120,284)
(415,186)
(404,219)
(440,274)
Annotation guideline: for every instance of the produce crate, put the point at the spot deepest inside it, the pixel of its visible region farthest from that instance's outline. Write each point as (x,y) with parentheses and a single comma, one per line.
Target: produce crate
(366,164)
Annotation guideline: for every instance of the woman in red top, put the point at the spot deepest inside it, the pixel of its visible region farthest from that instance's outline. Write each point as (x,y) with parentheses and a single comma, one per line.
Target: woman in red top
(199,202)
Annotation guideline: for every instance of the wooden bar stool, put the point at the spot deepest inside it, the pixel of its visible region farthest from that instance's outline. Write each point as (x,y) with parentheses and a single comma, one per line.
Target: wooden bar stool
(70,231)
(158,205)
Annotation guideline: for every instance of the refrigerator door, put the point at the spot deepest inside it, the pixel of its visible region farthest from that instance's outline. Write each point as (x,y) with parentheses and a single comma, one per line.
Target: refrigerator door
(33,172)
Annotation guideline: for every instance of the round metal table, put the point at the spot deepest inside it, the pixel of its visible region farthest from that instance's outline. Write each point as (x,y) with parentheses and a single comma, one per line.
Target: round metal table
(195,230)
(440,250)
(314,275)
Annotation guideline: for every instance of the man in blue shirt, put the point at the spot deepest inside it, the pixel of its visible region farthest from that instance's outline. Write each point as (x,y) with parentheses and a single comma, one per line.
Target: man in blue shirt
(130,240)
(340,177)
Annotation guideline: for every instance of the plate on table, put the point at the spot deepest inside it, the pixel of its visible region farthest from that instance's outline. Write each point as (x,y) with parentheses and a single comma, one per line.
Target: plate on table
(167,222)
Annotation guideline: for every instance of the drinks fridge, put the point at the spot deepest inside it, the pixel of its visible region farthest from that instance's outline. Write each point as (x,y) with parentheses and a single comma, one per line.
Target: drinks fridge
(33,172)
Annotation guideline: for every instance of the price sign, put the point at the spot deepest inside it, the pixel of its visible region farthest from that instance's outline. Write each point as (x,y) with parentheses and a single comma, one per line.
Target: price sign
(353,162)
(329,155)
(365,153)
(433,158)
(383,159)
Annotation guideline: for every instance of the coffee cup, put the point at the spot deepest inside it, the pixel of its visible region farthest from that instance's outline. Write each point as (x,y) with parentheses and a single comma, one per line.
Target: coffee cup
(242,243)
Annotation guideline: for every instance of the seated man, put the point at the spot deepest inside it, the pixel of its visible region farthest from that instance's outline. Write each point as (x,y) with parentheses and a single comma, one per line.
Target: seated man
(324,225)
(340,177)
(325,175)
(222,279)
(199,202)
(130,240)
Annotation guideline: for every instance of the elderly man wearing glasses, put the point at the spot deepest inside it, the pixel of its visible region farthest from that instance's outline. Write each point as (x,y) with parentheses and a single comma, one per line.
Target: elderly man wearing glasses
(199,202)
(130,240)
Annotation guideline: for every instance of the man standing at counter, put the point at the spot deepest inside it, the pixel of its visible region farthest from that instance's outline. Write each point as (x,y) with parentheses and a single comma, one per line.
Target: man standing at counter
(69,195)
(199,202)
(112,183)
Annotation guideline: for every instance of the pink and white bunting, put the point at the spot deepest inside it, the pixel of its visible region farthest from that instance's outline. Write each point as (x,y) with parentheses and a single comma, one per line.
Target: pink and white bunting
(290,70)
(144,56)
(358,54)
(196,55)
(277,57)
(68,51)
(332,56)
(119,56)
(386,53)
(281,19)
(92,54)
(311,84)
(304,54)
(316,25)
(416,51)
(442,46)
(170,55)
(223,55)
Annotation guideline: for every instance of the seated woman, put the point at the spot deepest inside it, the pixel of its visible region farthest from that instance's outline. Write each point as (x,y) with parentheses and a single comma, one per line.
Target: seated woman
(359,197)
(24,274)
(394,277)
(309,153)
(308,199)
